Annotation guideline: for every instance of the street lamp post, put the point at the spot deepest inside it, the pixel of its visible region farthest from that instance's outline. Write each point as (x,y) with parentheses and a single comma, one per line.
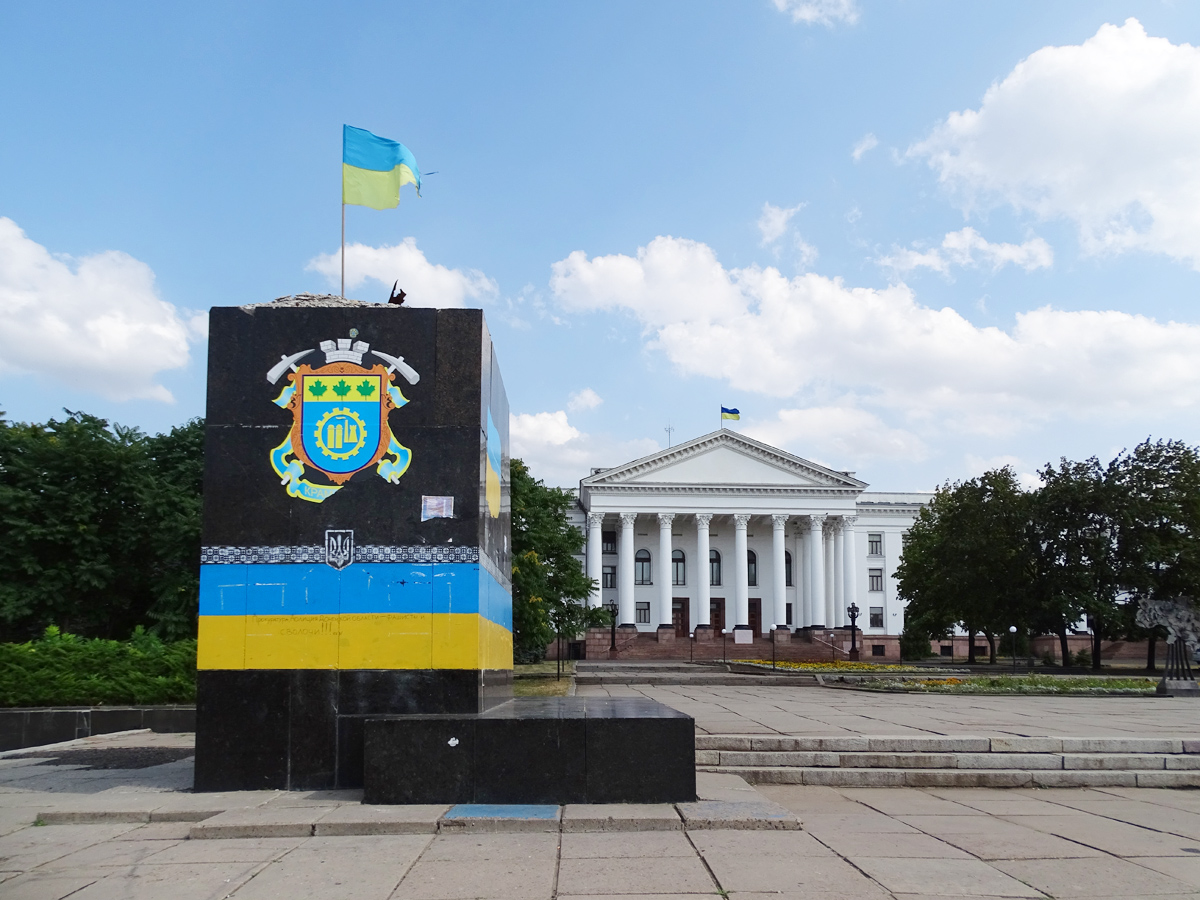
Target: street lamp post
(691,646)
(723,659)
(1012,636)
(612,625)
(853,612)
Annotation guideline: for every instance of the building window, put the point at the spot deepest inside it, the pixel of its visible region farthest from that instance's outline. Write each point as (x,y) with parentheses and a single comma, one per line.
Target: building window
(608,541)
(875,579)
(643,614)
(678,567)
(876,616)
(874,545)
(878,650)
(641,568)
(608,577)
(946,650)
(788,614)
(787,571)
(714,568)
(751,568)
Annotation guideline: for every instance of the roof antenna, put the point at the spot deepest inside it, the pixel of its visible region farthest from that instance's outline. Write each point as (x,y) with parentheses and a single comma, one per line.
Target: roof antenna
(669,429)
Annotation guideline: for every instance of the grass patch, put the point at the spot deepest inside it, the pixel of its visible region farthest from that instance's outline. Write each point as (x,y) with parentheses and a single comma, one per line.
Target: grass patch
(64,670)
(543,668)
(541,686)
(1009,684)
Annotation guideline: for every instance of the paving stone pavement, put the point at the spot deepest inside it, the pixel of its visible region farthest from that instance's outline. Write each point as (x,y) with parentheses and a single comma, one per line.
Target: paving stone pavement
(877,843)
(871,843)
(828,712)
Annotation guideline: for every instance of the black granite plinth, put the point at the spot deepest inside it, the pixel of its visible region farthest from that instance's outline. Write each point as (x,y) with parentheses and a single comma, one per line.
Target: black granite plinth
(302,729)
(534,750)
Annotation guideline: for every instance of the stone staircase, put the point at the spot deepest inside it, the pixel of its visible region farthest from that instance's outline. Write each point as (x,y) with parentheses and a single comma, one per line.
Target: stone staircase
(668,673)
(954,761)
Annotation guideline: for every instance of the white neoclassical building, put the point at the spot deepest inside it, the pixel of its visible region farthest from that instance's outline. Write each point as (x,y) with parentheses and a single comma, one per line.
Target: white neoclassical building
(729,533)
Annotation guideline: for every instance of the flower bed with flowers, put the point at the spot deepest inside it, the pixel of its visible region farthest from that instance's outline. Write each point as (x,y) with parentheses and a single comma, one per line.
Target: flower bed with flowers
(831,666)
(1009,684)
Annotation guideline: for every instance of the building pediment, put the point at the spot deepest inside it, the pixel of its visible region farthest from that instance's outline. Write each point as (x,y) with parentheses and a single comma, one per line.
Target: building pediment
(723,458)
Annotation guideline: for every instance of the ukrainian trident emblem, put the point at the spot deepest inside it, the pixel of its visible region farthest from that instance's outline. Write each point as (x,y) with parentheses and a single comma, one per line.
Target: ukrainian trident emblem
(339,418)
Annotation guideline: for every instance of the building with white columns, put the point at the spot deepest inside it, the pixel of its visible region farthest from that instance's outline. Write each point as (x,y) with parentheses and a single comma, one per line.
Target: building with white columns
(726,532)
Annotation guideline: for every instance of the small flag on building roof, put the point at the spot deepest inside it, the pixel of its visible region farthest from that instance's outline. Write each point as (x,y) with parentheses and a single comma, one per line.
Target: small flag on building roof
(730,414)
(374,169)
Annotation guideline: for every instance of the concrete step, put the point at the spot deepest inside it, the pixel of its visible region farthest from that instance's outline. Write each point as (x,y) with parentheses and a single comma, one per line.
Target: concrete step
(591,666)
(693,679)
(942,744)
(739,759)
(994,778)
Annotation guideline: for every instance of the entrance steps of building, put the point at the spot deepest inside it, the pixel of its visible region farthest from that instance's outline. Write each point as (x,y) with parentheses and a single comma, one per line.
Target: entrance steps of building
(954,761)
(666,673)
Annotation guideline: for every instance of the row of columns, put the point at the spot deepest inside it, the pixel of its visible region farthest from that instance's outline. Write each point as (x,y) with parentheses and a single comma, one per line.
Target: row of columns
(823,569)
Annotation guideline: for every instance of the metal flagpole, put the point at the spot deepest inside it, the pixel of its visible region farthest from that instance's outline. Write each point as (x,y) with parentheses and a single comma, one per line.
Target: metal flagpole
(343,250)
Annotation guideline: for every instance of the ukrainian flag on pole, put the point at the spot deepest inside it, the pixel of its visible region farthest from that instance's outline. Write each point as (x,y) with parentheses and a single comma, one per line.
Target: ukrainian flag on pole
(730,414)
(374,169)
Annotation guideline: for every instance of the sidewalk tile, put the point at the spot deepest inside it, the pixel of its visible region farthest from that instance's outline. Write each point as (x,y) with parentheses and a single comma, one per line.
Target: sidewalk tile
(627,845)
(471,847)
(187,882)
(483,879)
(966,877)
(1089,877)
(353,819)
(620,817)
(615,876)
(758,843)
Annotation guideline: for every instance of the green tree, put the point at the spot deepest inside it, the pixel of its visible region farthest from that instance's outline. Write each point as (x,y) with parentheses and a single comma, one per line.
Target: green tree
(99,528)
(966,560)
(1158,521)
(1073,539)
(549,585)
(172,504)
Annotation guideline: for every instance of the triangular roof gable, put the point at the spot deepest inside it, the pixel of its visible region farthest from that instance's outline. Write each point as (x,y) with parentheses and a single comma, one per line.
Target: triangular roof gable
(724,457)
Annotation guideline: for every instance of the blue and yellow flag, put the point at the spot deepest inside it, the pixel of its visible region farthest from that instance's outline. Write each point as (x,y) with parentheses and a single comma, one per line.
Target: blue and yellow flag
(730,414)
(374,169)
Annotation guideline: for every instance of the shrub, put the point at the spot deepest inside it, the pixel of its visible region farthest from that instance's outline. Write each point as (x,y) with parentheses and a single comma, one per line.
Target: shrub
(65,670)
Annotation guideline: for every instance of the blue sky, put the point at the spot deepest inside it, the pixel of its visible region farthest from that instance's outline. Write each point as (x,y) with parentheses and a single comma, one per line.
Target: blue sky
(910,239)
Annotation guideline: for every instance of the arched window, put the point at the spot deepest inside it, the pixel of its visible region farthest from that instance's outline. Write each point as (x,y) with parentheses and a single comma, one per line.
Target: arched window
(678,568)
(787,567)
(751,568)
(714,568)
(641,567)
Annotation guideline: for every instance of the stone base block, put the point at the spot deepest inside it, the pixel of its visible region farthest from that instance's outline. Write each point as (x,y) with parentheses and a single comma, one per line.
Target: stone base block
(781,636)
(704,633)
(534,751)
(665,634)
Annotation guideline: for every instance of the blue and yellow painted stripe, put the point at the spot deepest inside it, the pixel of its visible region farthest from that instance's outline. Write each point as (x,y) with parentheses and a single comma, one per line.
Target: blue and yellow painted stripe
(366,616)
(375,168)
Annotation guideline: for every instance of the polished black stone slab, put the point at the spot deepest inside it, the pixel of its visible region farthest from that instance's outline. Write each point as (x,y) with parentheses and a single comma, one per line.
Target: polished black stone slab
(534,750)
(302,729)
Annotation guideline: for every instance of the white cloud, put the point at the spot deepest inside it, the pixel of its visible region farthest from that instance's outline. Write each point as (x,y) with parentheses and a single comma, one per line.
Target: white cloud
(806,253)
(977,465)
(96,321)
(1105,134)
(763,332)
(969,248)
(426,283)
(839,433)
(560,454)
(819,12)
(585,399)
(868,143)
(774,221)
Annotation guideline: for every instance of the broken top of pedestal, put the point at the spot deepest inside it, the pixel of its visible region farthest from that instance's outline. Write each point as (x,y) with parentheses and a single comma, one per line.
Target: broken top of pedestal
(313,300)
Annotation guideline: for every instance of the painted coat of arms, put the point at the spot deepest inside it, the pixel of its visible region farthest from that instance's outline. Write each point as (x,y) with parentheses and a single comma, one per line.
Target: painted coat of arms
(339,418)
